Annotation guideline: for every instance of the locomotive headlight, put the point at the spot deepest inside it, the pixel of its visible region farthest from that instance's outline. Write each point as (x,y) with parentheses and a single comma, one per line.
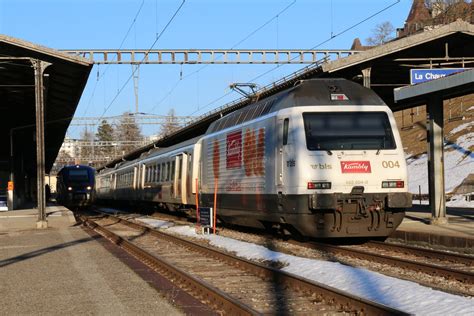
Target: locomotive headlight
(89,188)
(69,188)
(319,185)
(393,184)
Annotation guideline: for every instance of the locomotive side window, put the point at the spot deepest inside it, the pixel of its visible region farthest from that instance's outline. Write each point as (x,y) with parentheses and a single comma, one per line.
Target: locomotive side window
(348,131)
(286,124)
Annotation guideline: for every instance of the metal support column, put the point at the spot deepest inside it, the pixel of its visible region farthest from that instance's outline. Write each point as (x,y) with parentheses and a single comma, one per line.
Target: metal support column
(366,76)
(434,111)
(39,67)
(11,195)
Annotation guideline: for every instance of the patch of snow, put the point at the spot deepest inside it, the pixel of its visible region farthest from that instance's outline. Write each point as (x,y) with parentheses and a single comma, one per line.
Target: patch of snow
(400,294)
(458,163)
(156,223)
(459,201)
(461,127)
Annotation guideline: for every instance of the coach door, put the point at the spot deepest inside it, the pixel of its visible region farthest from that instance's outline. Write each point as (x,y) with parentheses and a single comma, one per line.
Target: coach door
(177,177)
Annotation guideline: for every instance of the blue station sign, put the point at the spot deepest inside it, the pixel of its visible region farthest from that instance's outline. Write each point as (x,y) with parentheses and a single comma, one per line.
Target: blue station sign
(422,75)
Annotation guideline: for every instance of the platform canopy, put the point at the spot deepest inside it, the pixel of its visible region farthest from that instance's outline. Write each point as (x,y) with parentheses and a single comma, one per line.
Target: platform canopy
(64,80)
(386,67)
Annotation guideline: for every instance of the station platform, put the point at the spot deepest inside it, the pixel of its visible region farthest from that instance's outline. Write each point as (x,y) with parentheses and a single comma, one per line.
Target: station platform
(63,270)
(457,233)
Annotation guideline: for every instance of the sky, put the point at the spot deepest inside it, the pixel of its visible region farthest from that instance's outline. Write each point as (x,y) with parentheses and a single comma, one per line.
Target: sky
(191,90)
(406,296)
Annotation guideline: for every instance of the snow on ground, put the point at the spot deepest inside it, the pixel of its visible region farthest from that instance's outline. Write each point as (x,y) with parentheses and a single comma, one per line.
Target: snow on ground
(156,223)
(467,125)
(400,294)
(458,163)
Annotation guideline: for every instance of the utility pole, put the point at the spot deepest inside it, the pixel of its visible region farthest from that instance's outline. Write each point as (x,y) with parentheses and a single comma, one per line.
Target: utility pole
(39,67)
(136,77)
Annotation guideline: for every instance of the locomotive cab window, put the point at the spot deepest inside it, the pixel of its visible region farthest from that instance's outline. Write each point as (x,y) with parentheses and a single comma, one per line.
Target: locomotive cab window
(348,131)
(78,175)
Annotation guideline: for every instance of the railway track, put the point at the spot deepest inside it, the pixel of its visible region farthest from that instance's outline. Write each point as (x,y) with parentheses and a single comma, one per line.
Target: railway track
(436,263)
(227,283)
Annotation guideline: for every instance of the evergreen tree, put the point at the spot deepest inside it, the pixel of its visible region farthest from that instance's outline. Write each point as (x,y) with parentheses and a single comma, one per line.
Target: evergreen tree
(105,133)
(128,131)
(87,149)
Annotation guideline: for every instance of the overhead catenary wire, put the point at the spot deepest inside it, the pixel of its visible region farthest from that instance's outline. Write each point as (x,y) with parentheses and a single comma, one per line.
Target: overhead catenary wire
(233,47)
(101,75)
(107,67)
(309,49)
(128,80)
(145,55)
(332,37)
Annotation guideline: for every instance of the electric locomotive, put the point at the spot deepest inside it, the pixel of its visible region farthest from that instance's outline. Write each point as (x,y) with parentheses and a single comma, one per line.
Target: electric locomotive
(76,186)
(322,159)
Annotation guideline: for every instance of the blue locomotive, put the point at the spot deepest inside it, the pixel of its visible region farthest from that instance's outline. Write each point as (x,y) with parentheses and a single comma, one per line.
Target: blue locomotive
(76,186)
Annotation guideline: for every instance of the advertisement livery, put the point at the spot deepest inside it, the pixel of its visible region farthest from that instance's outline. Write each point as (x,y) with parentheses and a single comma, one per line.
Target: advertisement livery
(322,159)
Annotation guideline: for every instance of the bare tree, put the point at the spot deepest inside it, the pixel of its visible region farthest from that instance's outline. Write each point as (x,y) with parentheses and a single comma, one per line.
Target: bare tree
(447,11)
(170,125)
(381,34)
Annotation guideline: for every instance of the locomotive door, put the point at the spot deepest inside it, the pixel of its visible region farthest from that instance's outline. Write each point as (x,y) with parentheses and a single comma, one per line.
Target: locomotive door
(281,155)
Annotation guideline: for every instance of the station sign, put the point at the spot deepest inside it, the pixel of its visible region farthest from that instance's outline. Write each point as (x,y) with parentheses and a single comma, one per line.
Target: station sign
(206,218)
(423,75)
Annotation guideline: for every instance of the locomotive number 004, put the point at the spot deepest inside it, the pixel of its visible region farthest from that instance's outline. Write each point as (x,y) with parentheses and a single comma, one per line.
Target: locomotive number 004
(390,164)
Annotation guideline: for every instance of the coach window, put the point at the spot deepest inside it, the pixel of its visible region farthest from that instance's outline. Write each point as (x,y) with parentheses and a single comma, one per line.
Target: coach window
(163,172)
(158,173)
(286,124)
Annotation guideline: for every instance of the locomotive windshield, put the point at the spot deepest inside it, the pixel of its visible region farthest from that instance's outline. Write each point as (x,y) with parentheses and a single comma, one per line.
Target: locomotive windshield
(348,130)
(78,175)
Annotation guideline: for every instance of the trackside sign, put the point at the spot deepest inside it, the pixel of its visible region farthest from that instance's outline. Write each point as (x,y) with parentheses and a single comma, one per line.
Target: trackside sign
(423,75)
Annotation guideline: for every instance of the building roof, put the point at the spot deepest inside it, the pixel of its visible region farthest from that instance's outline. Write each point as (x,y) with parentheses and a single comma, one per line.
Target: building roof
(64,81)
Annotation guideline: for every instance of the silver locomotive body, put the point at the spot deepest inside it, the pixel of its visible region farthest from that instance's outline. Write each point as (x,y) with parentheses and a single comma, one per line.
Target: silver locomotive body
(323,159)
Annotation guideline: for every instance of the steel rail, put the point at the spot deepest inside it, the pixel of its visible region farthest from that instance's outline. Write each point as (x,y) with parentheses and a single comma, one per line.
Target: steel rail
(461,276)
(429,253)
(205,291)
(338,297)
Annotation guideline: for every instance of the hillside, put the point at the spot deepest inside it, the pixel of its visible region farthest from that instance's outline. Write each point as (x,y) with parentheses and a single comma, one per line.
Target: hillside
(459,145)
